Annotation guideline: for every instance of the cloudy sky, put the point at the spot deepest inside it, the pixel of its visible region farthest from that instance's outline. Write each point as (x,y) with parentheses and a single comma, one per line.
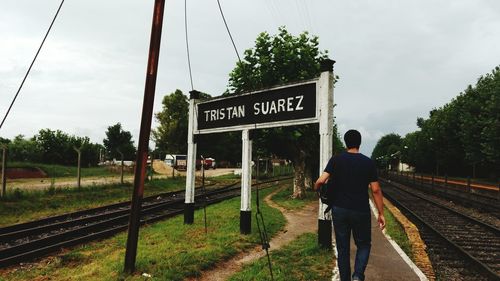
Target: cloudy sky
(396,59)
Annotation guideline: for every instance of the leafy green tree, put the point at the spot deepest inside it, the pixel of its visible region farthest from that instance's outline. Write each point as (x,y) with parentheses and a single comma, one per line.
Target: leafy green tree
(387,151)
(488,94)
(171,134)
(4,141)
(119,139)
(57,147)
(461,137)
(279,59)
(24,150)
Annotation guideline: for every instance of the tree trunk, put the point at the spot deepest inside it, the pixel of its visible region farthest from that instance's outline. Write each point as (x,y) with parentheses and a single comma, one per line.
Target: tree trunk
(308,180)
(299,190)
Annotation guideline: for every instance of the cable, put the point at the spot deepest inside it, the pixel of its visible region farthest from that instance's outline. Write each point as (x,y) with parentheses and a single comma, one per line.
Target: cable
(31,65)
(259,217)
(187,44)
(229,32)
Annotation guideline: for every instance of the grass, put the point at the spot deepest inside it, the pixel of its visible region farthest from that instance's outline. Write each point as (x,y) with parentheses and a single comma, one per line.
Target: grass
(21,205)
(284,199)
(58,171)
(396,231)
(167,250)
(300,260)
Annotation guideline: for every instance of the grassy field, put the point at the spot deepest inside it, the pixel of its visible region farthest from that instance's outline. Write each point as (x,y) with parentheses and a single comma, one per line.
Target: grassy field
(58,171)
(167,250)
(284,199)
(21,206)
(301,260)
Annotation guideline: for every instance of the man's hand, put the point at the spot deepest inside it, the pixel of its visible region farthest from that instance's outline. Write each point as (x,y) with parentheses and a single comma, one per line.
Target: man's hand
(321,180)
(381,221)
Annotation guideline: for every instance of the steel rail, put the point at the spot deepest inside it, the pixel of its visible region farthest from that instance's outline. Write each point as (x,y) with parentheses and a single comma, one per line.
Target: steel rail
(103,226)
(472,219)
(478,200)
(92,217)
(37,247)
(69,216)
(485,269)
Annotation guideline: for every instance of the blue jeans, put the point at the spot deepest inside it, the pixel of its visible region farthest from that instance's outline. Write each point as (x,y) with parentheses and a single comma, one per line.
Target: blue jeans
(345,221)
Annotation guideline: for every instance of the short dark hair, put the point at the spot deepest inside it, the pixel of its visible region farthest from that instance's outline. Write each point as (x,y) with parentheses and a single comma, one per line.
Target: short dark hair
(352,139)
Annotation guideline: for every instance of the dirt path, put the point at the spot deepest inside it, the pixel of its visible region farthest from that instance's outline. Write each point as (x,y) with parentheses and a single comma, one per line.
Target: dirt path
(298,222)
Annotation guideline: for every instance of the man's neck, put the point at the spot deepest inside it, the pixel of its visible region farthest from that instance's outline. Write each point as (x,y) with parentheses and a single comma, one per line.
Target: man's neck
(353,150)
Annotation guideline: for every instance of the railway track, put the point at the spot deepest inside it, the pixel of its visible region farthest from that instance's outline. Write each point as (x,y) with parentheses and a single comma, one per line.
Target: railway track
(485,200)
(460,247)
(27,241)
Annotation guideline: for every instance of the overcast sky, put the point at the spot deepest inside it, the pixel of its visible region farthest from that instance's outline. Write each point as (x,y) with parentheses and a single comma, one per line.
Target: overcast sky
(396,60)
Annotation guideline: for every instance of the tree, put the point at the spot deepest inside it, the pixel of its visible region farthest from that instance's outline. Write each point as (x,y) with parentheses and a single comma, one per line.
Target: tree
(463,134)
(387,150)
(171,135)
(119,139)
(4,141)
(24,150)
(275,60)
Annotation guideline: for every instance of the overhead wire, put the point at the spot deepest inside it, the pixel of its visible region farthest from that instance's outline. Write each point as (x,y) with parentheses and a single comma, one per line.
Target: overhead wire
(31,65)
(187,44)
(258,215)
(228,31)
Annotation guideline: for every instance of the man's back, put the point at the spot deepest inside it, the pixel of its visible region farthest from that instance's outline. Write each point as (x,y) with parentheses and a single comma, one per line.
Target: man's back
(351,173)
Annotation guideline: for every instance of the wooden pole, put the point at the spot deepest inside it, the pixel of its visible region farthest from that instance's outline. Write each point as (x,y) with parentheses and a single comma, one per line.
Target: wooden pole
(121,165)
(4,169)
(78,173)
(145,130)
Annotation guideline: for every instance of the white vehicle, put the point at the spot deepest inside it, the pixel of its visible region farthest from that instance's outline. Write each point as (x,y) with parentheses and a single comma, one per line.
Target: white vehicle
(177,161)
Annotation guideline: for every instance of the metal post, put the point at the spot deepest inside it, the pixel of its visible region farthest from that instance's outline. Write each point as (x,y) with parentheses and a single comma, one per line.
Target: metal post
(4,169)
(432,183)
(121,166)
(468,185)
(191,159)
(246,183)
(203,190)
(173,169)
(78,173)
(325,103)
(145,130)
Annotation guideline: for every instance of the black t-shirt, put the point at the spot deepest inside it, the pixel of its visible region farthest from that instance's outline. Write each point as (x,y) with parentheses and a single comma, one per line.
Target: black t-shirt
(350,175)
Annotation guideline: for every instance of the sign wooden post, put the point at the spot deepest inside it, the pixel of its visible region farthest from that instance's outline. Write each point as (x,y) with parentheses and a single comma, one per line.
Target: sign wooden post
(191,160)
(246,183)
(326,145)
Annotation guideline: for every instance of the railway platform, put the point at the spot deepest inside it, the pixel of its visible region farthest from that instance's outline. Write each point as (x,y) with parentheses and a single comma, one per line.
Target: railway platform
(385,263)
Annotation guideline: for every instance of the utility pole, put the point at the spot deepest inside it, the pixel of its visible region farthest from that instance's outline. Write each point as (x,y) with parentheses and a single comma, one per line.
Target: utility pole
(4,169)
(142,151)
(78,173)
(121,165)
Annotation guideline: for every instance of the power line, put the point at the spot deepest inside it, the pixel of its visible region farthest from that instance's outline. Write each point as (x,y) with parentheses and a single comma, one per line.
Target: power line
(187,44)
(229,32)
(31,65)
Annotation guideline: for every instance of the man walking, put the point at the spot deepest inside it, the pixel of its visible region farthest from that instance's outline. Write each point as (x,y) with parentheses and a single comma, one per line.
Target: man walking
(348,175)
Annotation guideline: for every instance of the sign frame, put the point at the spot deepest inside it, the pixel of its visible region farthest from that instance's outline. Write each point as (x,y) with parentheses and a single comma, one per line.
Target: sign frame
(272,124)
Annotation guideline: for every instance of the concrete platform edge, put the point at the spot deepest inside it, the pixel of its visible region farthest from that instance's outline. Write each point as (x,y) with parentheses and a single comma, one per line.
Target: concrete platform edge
(398,249)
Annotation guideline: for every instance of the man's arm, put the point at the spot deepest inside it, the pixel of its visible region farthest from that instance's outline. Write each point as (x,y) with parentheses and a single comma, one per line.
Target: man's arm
(378,198)
(321,180)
